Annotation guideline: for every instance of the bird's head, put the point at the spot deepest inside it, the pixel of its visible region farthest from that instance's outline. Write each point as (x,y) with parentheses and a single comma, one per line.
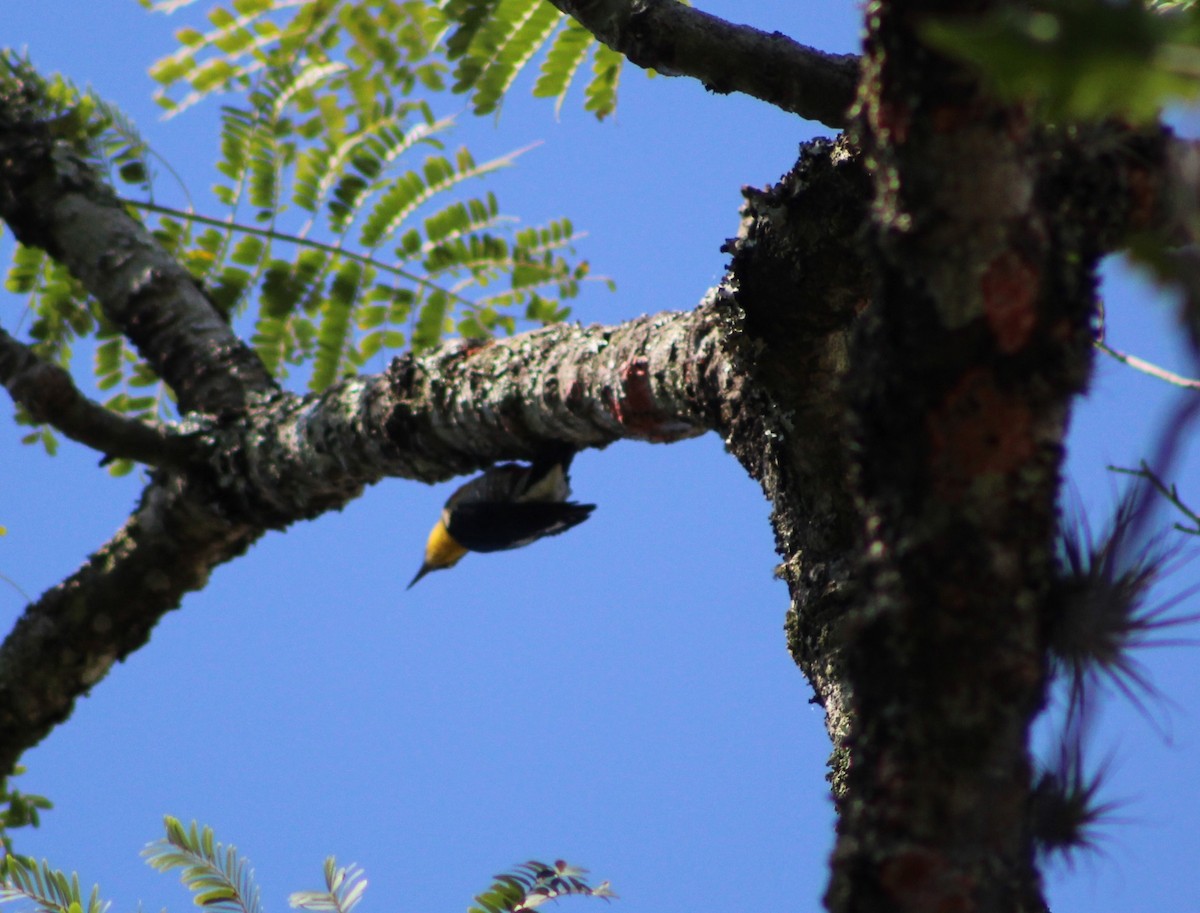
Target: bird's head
(441,551)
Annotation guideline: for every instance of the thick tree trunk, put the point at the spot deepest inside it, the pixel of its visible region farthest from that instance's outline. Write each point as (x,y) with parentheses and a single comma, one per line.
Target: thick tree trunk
(976,341)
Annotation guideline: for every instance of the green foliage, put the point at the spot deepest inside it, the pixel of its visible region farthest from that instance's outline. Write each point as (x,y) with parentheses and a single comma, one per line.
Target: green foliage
(601,92)
(409,44)
(566,54)
(56,304)
(344,888)
(100,133)
(327,144)
(219,878)
(533,883)
(18,809)
(133,388)
(1082,59)
(501,47)
(94,128)
(50,891)
(493,40)
(58,310)
(369,42)
(348,228)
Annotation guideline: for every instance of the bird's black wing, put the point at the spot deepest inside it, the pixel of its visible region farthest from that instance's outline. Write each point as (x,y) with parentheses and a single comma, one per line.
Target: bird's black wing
(494,527)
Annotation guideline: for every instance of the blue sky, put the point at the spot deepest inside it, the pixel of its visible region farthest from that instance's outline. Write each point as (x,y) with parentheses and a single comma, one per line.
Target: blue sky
(621,696)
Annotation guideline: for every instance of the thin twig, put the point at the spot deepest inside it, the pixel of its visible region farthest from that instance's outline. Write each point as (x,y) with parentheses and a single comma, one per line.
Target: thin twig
(1170,492)
(274,235)
(1146,367)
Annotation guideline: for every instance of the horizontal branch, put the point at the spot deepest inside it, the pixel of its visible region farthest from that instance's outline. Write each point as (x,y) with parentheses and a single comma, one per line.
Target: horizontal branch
(661,377)
(468,404)
(49,394)
(429,417)
(679,40)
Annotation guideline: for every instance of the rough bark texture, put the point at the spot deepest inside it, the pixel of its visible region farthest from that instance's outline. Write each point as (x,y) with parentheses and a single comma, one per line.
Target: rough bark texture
(801,282)
(679,40)
(49,395)
(52,199)
(290,458)
(68,639)
(961,378)
(892,355)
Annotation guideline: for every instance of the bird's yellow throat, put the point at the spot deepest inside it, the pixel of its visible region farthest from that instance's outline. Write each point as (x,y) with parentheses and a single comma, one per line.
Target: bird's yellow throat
(442,550)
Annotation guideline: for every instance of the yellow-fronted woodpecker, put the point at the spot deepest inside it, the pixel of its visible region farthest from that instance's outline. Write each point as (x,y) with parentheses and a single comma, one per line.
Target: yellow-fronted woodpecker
(507,507)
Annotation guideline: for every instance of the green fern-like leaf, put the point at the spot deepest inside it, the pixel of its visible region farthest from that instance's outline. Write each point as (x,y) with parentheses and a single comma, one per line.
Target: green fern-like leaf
(469,17)
(61,312)
(362,177)
(366,150)
(282,331)
(460,219)
(25,271)
(518,29)
(266,161)
(236,50)
(18,809)
(48,889)
(432,321)
(334,329)
(344,888)
(411,190)
(494,40)
(601,92)
(562,62)
(533,883)
(344,242)
(216,875)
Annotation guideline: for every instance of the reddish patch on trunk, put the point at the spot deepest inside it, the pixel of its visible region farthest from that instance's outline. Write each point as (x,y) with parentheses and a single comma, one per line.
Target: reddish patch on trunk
(977,430)
(917,878)
(471,346)
(635,407)
(574,397)
(1010,287)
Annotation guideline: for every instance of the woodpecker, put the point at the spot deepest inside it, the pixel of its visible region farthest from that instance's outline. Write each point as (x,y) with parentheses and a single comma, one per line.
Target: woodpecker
(509,506)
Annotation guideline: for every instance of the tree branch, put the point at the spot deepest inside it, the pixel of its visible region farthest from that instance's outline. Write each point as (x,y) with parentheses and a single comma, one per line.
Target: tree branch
(658,378)
(68,640)
(465,406)
(49,395)
(1147,367)
(53,199)
(678,40)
